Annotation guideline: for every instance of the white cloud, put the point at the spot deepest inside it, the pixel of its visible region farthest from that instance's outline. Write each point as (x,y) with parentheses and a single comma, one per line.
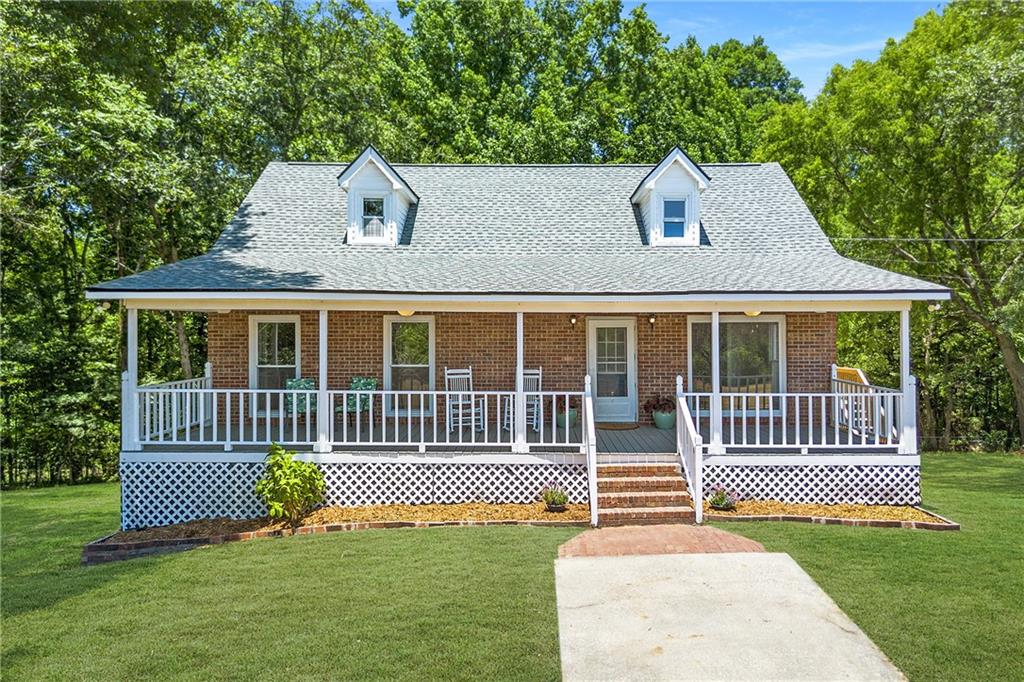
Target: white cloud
(802,52)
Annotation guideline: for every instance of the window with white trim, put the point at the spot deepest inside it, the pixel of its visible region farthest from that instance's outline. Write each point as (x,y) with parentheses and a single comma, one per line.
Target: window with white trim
(274,350)
(673,218)
(751,354)
(373,218)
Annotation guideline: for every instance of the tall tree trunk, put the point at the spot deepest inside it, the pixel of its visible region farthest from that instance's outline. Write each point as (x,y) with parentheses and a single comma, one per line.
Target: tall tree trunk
(1015,368)
(184,351)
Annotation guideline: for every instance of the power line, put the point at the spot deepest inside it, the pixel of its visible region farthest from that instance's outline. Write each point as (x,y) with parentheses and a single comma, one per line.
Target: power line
(983,240)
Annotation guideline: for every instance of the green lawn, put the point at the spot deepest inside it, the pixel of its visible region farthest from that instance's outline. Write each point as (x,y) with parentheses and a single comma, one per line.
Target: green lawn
(942,605)
(471,603)
(451,603)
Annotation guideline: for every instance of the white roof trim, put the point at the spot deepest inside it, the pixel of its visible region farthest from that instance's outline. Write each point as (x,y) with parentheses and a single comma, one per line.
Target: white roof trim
(704,297)
(371,155)
(677,155)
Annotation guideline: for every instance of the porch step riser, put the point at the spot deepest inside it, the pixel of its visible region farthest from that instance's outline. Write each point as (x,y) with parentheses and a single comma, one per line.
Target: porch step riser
(607,471)
(643,500)
(641,483)
(638,517)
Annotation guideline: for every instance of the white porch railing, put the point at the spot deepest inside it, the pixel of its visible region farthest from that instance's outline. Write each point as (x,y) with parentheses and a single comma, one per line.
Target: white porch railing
(194,414)
(590,448)
(689,448)
(839,419)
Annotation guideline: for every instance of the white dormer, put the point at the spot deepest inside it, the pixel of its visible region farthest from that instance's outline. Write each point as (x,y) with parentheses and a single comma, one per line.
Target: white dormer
(378,200)
(669,200)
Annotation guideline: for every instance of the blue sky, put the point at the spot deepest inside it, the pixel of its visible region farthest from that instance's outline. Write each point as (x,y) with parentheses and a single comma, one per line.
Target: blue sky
(809,37)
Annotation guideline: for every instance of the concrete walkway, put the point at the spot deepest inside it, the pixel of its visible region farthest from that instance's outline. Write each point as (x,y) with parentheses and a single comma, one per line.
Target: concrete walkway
(739,616)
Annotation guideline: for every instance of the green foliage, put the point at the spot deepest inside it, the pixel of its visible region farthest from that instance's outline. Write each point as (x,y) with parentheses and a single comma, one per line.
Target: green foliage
(554,495)
(922,153)
(289,487)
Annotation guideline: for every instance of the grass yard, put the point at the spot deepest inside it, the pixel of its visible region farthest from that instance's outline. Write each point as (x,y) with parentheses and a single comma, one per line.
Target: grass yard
(942,605)
(472,603)
(445,603)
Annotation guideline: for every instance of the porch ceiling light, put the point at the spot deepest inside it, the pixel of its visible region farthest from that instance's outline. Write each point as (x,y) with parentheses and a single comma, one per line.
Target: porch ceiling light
(751,313)
(572,319)
(406,313)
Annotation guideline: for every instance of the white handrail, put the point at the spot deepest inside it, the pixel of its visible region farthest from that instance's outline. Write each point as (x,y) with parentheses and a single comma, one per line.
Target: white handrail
(590,443)
(689,447)
(835,420)
(422,419)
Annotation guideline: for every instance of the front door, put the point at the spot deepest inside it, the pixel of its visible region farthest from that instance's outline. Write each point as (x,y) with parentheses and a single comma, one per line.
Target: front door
(611,363)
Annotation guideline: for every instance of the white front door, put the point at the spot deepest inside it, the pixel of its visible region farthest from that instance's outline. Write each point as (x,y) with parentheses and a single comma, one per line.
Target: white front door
(611,363)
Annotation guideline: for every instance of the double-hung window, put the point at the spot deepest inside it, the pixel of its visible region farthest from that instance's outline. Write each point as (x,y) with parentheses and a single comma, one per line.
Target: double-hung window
(373,217)
(751,355)
(673,224)
(273,350)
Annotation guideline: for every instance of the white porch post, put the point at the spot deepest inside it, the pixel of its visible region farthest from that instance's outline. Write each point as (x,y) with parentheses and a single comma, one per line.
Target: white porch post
(130,386)
(715,447)
(520,444)
(323,406)
(908,384)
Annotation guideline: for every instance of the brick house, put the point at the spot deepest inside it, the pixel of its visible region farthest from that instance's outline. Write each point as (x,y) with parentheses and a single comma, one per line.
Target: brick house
(444,333)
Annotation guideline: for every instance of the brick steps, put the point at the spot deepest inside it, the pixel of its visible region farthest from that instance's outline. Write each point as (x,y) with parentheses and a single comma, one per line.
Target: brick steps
(636,470)
(643,498)
(636,494)
(645,515)
(622,484)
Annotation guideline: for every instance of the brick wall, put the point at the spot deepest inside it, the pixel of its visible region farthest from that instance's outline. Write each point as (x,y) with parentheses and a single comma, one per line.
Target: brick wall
(487,342)
(810,351)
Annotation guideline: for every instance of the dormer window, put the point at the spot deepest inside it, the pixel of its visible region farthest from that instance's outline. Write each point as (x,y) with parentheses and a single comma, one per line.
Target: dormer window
(673,225)
(374,224)
(378,203)
(669,199)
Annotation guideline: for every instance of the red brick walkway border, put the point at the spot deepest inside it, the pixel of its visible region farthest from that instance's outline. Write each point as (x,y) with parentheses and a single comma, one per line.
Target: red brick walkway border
(102,550)
(656,539)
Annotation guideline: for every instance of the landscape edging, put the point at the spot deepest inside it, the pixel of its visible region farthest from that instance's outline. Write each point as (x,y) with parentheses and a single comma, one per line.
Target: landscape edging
(942,522)
(101,551)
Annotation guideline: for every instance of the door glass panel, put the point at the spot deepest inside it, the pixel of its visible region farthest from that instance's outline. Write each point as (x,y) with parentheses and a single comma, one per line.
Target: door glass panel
(748,357)
(612,362)
(275,354)
(410,364)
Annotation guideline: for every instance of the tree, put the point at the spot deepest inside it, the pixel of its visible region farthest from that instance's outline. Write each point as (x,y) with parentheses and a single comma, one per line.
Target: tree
(918,160)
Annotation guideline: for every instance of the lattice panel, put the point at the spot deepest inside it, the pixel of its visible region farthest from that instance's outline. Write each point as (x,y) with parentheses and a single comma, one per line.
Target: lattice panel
(161,493)
(819,484)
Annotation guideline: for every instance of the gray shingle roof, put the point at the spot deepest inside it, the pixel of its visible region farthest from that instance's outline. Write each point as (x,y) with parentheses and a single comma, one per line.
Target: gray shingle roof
(528,229)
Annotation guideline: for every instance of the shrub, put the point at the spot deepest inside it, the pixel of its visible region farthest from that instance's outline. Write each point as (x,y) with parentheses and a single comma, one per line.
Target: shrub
(554,495)
(289,487)
(660,403)
(720,498)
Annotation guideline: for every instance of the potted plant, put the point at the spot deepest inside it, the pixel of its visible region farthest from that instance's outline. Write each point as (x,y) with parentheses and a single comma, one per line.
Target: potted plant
(663,411)
(566,411)
(554,497)
(722,499)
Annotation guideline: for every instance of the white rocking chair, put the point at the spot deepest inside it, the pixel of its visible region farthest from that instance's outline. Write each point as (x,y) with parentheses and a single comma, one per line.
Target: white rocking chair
(462,409)
(532,380)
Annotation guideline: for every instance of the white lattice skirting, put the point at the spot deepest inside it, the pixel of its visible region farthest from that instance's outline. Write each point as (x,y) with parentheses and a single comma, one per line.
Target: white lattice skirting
(161,493)
(819,484)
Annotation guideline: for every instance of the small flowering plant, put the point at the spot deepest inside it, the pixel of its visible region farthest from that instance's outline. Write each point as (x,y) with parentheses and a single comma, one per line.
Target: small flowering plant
(565,403)
(554,497)
(722,499)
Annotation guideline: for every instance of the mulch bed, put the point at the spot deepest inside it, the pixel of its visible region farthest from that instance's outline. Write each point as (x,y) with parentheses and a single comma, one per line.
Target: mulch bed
(876,515)
(326,516)
(183,536)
